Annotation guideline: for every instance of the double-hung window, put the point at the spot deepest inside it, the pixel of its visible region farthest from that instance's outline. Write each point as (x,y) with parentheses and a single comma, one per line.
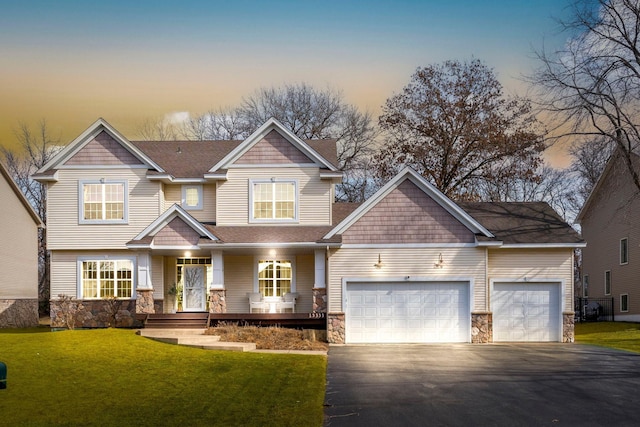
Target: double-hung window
(273,201)
(607,282)
(103,202)
(106,278)
(275,277)
(624,302)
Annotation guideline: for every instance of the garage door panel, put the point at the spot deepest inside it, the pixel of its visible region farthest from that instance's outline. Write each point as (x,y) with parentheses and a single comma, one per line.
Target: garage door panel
(526,312)
(408,312)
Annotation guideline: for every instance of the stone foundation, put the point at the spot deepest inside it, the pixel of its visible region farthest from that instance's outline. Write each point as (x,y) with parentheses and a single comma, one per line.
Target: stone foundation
(144,301)
(72,313)
(319,300)
(18,313)
(217,301)
(481,327)
(335,328)
(568,326)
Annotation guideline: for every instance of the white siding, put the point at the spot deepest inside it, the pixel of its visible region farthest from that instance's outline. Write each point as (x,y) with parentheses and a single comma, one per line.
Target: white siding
(414,262)
(18,247)
(305,266)
(314,195)
(173,195)
(63,230)
(534,264)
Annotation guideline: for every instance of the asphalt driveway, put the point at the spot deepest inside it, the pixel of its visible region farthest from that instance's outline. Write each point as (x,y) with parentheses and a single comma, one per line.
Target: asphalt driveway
(482,385)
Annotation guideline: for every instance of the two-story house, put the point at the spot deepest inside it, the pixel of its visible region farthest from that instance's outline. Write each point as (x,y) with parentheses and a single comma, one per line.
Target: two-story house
(239,226)
(609,224)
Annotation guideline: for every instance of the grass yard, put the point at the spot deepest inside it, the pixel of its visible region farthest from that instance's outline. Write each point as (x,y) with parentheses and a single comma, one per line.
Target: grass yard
(114,377)
(620,335)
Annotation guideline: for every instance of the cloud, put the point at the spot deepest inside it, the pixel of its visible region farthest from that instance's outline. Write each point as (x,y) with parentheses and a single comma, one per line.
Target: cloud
(177,117)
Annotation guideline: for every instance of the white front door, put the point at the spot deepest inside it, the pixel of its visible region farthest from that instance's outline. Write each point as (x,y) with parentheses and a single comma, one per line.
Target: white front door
(194,290)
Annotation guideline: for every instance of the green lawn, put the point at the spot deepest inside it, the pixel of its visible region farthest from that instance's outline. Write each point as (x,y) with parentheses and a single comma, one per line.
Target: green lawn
(620,335)
(114,377)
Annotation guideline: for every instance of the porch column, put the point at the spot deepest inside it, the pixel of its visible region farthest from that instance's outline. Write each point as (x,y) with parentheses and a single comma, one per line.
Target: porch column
(320,280)
(217,293)
(144,288)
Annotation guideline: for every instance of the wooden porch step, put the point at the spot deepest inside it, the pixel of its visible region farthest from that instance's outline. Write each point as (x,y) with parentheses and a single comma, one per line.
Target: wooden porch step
(177,321)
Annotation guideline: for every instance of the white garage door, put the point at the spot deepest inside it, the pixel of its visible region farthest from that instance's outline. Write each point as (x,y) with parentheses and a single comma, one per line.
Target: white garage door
(407,312)
(526,312)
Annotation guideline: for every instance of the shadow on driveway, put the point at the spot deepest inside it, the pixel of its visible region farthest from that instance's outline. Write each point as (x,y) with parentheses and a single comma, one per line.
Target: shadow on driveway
(481,385)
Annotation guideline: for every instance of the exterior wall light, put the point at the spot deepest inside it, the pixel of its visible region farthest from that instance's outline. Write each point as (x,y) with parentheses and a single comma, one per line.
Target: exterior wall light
(378,264)
(440,262)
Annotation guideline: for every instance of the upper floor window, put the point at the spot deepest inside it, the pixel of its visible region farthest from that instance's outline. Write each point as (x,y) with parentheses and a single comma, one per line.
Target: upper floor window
(192,197)
(624,251)
(607,282)
(273,200)
(103,202)
(106,278)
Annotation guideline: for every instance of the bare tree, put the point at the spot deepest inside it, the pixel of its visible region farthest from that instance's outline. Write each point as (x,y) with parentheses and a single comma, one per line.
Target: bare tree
(589,159)
(215,125)
(453,124)
(159,129)
(592,85)
(36,149)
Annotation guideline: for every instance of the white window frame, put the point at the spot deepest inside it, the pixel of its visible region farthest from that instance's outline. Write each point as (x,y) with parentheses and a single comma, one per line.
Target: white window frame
(125,192)
(184,204)
(624,260)
(607,282)
(585,286)
(256,278)
(98,259)
(274,181)
(625,297)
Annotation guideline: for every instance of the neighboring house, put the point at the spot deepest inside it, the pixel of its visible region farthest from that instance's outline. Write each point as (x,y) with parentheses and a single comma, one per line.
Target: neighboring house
(222,222)
(19,225)
(609,222)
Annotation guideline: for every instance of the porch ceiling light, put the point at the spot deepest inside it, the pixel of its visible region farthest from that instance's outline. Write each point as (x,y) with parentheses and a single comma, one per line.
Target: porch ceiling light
(187,254)
(440,262)
(378,264)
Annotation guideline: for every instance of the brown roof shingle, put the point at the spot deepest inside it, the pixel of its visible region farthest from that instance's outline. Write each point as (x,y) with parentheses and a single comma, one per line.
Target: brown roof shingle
(522,222)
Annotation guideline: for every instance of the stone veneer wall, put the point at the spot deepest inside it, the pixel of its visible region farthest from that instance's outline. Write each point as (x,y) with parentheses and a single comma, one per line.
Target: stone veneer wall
(144,301)
(217,301)
(481,327)
(568,326)
(93,314)
(335,328)
(319,300)
(18,313)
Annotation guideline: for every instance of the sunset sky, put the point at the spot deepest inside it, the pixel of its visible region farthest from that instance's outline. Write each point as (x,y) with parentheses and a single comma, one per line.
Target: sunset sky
(72,61)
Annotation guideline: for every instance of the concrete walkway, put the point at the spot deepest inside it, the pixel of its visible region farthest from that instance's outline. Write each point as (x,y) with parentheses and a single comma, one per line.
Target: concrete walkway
(197,338)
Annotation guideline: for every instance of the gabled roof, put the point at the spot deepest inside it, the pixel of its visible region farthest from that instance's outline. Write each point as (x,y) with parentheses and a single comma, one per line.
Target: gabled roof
(261,132)
(20,196)
(175,211)
(90,133)
(524,223)
(615,156)
(410,174)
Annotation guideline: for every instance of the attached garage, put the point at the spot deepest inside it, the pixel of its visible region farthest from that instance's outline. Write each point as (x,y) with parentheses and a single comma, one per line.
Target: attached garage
(407,312)
(526,312)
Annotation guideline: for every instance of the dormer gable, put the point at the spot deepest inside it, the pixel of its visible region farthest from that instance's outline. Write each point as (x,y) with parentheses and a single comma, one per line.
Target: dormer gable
(175,228)
(101,145)
(273,144)
(408,209)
